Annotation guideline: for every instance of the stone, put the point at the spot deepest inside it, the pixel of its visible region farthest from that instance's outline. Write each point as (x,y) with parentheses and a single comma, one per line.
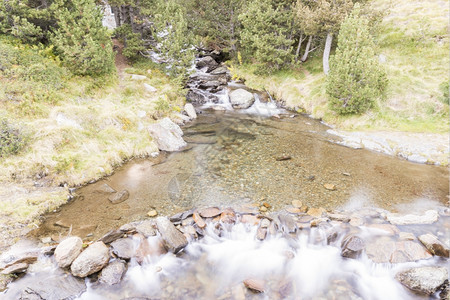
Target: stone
(263,209)
(198,220)
(228,216)
(207,61)
(113,272)
(152,213)
(406,236)
(293,210)
(381,249)
(219,71)
(261,233)
(174,240)
(331,234)
(210,212)
(46,240)
(352,246)
(137,77)
(123,248)
(264,223)
(339,217)
(318,221)
(249,219)
(68,250)
(12,258)
(190,110)
(255,285)
(146,228)
(297,203)
(316,212)
(434,245)
(241,99)
(91,260)
(16,268)
(356,221)
(149,88)
(105,189)
(426,280)
(167,135)
(145,249)
(408,251)
(287,223)
(119,197)
(329,186)
(113,235)
(429,217)
(385,228)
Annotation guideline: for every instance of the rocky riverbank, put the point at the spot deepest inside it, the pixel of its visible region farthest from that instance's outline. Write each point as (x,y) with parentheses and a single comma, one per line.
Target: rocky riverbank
(415,252)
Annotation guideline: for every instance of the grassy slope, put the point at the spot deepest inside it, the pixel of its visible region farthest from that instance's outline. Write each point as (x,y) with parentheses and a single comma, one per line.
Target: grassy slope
(414,39)
(81,132)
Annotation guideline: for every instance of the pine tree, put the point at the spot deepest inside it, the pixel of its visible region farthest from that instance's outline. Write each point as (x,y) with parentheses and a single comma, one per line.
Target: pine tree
(356,78)
(265,36)
(81,40)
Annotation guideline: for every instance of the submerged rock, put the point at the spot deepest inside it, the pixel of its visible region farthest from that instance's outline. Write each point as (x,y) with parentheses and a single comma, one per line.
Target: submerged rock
(119,197)
(407,251)
(123,248)
(112,273)
(352,246)
(241,99)
(91,260)
(167,134)
(68,250)
(433,245)
(174,240)
(426,280)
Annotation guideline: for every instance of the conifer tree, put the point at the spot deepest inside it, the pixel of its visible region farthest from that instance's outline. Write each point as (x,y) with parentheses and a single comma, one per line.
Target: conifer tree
(356,78)
(81,40)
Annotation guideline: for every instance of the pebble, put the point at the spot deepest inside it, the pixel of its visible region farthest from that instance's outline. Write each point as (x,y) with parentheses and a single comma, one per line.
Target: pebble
(152,213)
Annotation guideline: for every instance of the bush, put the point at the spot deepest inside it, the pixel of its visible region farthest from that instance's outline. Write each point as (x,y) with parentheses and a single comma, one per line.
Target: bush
(12,140)
(133,44)
(356,78)
(445,89)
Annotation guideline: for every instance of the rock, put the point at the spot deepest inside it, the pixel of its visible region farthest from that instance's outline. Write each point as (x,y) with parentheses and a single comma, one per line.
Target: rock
(190,110)
(356,221)
(293,210)
(426,280)
(429,217)
(352,246)
(105,189)
(91,260)
(283,158)
(119,197)
(381,249)
(219,71)
(386,228)
(316,212)
(113,235)
(287,223)
(12,258)
(198,97)
(210,212)
(138,77)
(123,248)
(188,221)
(62,224)
(249,219)
(254,285)
(167,135)
(329,186)
(149,88)
(228,216)
(68,250)
(145,249)
(146,228)
(174,240)
(318,221)
(152,213)
(433,245)
(406,236)
(113,272)
(46,240)
(265,223)
(331,234)
(218,108)
(16,268)
(241,99)
(407,251)
(198,220)
(297,203)
(263,209)
(339,217)
(261,233)
(207,61)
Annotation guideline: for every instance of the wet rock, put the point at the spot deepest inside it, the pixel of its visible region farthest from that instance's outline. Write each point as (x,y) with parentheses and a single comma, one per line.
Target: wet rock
(318,221)
(407,251)
(210,212)
(190,110)
(339,217)
(241,99)
(198,97)
(146,228)
(329,186)
(12,258)
(16,268)
(152,213)
(113,272)
(297,203)
(433,245)
(381,249)
(287,223)
(119,197)
(249,219)
(149,88)
(91,260)
(385,228)
(261,233)
(264,223)
(208,62)
(255,285)
(188,221)
(167,134)
(219,71)
(316,212)
(228,216)
(199,221)
(352,246)
(331,234)
(406,236)
(429,217)
(68,250)
(426,280)
(113,235)
(174,240)
(123,248)
(105,189)
(356,221)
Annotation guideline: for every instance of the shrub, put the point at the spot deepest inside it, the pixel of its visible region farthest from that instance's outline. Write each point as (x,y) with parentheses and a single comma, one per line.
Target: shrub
(12,140)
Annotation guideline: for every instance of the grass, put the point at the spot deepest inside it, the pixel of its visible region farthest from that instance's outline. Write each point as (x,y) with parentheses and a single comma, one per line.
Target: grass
(413,38)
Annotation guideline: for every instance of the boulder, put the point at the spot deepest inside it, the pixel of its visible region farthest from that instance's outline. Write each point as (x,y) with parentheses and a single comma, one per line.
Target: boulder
(208,62)
(112,235)
(68,250)
(433,245)
(91,260)
(146,228)
(407,251)
(190,110)
(198,97)
(15,257)
(381,249)
(119,197)
(149,88)
(352,246)
(210,212)
(219,71)
(426,280)
(167,134)
(123,248)
(241,99)
(429,217)
(16,268)
(113,272)
(174,240)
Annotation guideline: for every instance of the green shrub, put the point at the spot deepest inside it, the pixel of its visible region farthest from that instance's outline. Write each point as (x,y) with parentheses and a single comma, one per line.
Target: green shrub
(444,87)
(12,139)
(133,44)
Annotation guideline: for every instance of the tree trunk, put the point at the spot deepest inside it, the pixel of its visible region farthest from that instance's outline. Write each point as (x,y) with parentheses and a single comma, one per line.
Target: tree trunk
(326,53)
(300,40)
(308,45)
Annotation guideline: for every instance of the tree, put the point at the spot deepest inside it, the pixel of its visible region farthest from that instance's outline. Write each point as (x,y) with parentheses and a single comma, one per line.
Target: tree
(81,40)
(356,78)
(265,34)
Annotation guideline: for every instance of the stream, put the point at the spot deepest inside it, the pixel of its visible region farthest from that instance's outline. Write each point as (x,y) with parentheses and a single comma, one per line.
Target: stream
(259,162)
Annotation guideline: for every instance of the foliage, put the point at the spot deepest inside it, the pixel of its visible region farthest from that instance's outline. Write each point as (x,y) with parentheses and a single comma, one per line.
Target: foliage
(356,78)
(12,139)
(133,44)
(81,40)
(445,89)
